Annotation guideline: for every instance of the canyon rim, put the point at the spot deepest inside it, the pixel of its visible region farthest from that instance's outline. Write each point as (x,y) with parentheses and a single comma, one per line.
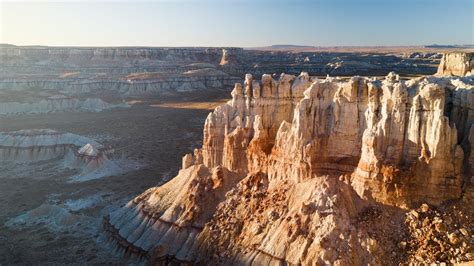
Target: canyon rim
(237,132)
(307,170)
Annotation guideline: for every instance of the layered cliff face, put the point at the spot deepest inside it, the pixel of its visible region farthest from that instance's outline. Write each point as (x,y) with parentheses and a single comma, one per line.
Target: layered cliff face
(138,71)
(125,71)
(130,85)
(56,104)
(44,144)
(50,152)
(456,64)
(114,53)
(307,170)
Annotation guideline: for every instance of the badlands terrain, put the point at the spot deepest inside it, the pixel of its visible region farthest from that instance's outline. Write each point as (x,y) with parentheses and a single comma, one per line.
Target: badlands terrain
(371,164)
(303,170)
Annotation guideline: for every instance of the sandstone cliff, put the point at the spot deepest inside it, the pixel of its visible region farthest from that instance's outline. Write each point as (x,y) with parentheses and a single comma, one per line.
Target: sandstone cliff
(456,64)
(312,171)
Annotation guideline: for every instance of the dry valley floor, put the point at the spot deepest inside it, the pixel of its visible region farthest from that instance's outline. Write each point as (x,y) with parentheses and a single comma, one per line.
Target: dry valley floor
(155,134)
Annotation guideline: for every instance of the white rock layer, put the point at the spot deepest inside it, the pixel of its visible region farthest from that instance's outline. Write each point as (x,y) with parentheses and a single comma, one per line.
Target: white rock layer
(287,165)
(56,104)
(88,158)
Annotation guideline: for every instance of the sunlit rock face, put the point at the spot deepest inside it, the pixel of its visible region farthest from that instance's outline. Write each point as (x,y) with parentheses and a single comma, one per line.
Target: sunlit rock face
(456,64)
(289,163)
(412,150)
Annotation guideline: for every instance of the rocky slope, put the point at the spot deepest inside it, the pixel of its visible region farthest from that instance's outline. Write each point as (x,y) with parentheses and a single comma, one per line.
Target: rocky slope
(303,170)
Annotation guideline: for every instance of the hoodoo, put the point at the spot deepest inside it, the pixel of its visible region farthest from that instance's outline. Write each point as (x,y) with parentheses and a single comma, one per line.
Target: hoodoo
(303,170)
(456,64)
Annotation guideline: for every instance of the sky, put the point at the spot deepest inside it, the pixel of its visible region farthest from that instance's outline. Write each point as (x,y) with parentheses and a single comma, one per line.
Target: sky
(242,23)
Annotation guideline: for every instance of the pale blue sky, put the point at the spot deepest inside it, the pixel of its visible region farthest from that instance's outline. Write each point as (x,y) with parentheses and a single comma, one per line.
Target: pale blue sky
(237,22)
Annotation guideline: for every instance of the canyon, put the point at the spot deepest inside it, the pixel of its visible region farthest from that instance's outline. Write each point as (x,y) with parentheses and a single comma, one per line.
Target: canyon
(291,155)
(54,194)
(304,170)
(57,103)
(164,71)
(41,79)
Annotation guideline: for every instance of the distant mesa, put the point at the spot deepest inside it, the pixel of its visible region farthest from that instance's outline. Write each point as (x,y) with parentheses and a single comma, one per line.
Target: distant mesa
(56,104)
(284,46)
(7,45)
(450,46)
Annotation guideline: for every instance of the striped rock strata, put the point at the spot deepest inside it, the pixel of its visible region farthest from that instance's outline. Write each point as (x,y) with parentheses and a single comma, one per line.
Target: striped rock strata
(289,168)
(456,64)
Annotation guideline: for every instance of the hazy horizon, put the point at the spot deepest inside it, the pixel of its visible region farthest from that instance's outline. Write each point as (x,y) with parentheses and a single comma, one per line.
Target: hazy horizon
(237,23)
(468,45)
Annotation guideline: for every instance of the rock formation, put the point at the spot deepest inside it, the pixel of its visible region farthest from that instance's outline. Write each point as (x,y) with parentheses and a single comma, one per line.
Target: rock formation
(130,85)
(113,53)
(86,158)
(132,71)
(456,64)
(42,144)
(303,170)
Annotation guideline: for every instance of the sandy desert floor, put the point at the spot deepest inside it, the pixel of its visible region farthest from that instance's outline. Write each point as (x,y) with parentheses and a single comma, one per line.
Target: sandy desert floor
(46,219)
